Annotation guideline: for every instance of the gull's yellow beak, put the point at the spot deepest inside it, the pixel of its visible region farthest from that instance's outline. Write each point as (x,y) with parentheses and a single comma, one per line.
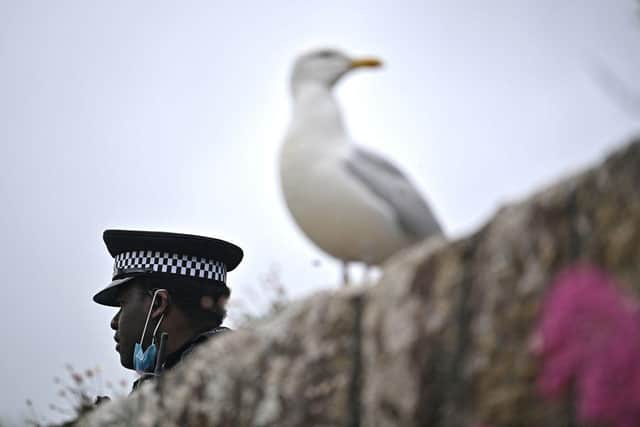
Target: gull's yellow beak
(366,62)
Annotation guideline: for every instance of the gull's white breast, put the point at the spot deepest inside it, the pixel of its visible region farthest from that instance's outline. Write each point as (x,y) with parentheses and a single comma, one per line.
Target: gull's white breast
(337,212)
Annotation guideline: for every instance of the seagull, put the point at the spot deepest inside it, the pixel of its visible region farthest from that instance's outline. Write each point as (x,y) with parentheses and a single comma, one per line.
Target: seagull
(350,202)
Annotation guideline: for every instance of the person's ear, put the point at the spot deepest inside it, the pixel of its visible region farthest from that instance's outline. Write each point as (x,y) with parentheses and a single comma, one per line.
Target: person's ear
(161,303)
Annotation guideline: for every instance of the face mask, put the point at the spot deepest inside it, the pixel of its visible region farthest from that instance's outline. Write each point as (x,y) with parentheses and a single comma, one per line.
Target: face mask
(144,361)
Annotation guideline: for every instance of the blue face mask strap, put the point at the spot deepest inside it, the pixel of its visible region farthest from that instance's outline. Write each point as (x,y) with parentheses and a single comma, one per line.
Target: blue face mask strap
(155,331)
(144,329)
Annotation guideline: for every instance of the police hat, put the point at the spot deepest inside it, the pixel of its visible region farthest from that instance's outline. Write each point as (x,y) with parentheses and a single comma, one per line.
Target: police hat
(137,253)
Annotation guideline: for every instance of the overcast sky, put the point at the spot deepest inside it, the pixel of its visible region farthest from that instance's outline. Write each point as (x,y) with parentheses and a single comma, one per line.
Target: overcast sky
(169,115)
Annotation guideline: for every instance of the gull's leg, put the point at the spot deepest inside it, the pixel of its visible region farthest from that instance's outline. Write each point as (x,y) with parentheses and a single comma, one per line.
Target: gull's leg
(366,275)
(345,274)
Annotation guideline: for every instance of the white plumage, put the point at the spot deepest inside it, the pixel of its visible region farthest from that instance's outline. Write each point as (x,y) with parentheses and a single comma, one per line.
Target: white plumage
(352,203)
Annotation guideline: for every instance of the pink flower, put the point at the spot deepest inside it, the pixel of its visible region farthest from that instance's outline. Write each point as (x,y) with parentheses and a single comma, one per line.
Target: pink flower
(590,344)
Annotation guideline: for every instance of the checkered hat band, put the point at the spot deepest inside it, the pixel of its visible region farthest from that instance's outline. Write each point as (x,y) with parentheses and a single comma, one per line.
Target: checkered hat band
(164,262)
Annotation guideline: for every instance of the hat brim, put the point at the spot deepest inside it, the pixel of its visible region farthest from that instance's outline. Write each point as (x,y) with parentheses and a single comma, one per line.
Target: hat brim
(109,295)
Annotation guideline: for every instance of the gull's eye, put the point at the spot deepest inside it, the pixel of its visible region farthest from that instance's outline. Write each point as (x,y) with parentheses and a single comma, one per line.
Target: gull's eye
(325,54)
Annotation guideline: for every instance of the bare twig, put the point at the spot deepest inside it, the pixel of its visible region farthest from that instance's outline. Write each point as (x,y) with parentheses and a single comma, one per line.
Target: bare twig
(623,94)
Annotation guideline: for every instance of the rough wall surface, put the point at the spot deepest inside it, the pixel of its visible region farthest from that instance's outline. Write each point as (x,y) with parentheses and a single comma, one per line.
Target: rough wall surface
(443,339)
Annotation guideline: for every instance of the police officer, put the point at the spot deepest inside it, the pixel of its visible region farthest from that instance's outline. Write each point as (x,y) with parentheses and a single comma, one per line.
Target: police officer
(165,284)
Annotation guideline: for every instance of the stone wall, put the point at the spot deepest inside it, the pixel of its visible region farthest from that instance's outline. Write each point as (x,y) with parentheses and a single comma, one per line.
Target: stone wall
(444,338)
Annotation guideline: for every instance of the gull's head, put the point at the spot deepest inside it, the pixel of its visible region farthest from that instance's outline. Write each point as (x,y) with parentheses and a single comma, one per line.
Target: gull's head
(327,66)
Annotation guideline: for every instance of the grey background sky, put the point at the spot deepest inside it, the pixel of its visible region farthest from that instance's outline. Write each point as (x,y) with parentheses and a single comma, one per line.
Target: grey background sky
(168,116)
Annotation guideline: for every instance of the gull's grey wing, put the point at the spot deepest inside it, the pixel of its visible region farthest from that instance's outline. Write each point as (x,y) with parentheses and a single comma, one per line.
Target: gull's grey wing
(388,183)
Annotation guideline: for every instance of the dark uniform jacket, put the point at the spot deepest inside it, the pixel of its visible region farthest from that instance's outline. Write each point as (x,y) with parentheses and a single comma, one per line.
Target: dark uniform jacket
(177,356)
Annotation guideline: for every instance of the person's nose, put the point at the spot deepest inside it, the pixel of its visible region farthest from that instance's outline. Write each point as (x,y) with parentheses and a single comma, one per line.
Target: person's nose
(114,321)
